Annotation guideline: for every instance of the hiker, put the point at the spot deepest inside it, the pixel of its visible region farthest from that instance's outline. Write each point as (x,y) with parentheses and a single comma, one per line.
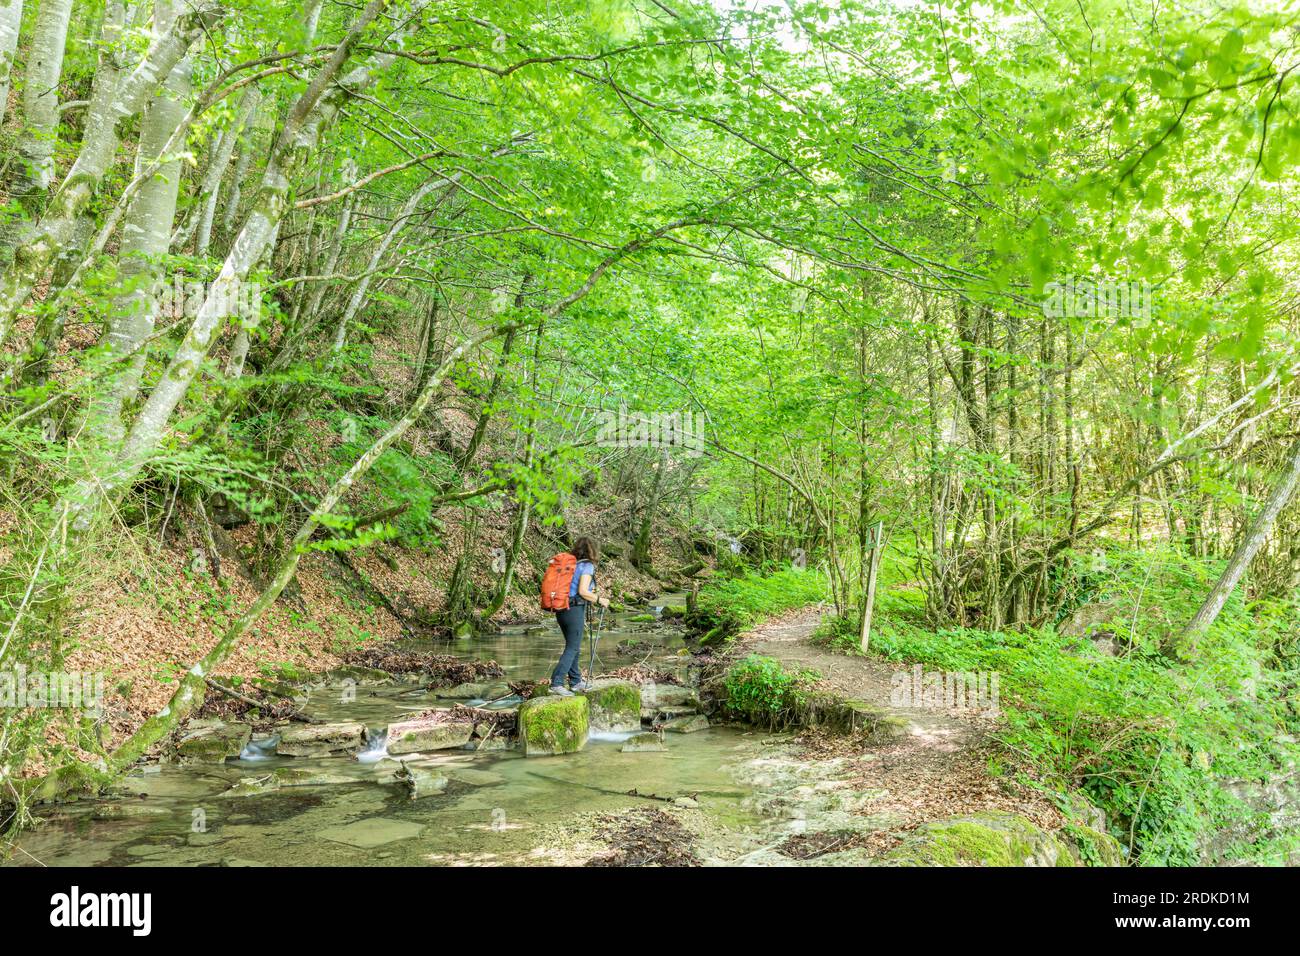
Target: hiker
(573,617)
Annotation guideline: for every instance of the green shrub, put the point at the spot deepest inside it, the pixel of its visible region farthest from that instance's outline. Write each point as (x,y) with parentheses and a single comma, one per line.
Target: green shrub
(760,691)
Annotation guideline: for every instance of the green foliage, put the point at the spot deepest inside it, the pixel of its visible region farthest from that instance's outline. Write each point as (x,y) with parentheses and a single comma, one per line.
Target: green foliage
(727,606)
(1150,739)
(760,691)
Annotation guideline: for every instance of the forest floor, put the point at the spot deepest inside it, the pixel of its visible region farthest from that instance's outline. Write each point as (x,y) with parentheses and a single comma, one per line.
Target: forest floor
(940,768)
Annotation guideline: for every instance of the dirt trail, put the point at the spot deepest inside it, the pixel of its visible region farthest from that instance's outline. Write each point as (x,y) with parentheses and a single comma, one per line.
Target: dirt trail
(940,768)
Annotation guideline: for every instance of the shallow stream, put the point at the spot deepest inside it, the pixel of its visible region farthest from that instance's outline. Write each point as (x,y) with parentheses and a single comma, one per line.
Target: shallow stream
(498,808)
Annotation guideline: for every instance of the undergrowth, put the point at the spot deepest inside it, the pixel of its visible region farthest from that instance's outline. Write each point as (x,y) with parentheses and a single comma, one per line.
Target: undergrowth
(1152,737)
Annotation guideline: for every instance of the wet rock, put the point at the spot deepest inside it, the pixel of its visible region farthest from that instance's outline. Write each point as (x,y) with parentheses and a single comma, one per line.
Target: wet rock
(553,725)
(668,695)
(686,725)
(370,676)
(386,770)
(376,831)
(476,778)
(285,777)
(212,743)
(252,786)
(660,714)
(320,740)
(129,809)
(471,691)
(643,743)
(419,736)
(420,781)
(615,705)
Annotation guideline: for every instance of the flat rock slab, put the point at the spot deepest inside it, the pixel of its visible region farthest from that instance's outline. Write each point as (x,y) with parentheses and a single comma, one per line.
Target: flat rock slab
(212,743)
(668,695)
(418,736)
(476,778)
(643,743)
(474,691)
(366,834)
(686,725)
(285,777)
(319,740)
(356,674)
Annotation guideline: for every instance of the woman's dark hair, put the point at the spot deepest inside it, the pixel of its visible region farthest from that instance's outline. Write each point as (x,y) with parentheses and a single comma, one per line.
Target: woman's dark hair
(584,549)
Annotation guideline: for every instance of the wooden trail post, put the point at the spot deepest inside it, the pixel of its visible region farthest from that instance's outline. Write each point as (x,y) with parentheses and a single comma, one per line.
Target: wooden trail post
(873,571)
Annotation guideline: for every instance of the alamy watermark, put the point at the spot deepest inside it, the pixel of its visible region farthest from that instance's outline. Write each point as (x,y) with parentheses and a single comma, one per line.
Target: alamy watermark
(21,689)
(1081,297)
(944,690)
(624,429)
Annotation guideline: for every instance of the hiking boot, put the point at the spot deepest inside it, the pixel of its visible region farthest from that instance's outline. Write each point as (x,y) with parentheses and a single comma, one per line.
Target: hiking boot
(561,691)
(579,687)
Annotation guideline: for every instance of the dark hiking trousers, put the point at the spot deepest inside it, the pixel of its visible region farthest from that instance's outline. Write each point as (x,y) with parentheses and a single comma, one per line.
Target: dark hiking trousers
(571,621)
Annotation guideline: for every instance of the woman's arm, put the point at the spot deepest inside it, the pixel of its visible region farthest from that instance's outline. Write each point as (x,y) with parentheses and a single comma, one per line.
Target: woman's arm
(588,593)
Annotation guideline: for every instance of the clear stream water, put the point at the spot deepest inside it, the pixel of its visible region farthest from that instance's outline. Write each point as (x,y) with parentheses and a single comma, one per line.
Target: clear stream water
(504,808)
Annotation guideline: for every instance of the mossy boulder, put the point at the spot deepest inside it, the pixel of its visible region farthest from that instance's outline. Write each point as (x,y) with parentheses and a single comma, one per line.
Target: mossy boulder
(212,743)
(615,705)
(1094,847)
(672,611)
(554,725)
(987,839)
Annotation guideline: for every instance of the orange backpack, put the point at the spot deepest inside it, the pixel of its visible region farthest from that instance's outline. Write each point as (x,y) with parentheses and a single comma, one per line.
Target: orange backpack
(557,581)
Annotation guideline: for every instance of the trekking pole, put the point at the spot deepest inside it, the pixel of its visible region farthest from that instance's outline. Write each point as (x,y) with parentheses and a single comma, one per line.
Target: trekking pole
(594,637)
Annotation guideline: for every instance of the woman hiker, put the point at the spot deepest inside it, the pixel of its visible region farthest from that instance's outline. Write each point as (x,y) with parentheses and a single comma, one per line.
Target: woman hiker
(573,618)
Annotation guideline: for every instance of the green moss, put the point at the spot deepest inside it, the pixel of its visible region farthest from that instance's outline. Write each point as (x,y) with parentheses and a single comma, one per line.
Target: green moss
(989,840)
(553,725)
(1093,847)
(615,705)
(617,697)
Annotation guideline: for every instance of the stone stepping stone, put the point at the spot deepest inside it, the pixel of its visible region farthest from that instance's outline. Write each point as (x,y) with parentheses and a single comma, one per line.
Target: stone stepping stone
(367,834)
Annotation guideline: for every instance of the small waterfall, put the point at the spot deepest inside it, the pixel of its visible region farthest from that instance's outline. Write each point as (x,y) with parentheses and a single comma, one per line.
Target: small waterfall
(612,736)
(263,749)
(376,746)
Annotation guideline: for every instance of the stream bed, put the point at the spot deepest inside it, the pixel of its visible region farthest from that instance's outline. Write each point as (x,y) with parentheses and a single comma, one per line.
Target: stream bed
(499,807)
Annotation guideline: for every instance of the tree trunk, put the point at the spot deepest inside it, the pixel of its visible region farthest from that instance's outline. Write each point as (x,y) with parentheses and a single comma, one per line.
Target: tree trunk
(35,146)
(11,18)
(146,236)
(57,228)
(1254,539)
